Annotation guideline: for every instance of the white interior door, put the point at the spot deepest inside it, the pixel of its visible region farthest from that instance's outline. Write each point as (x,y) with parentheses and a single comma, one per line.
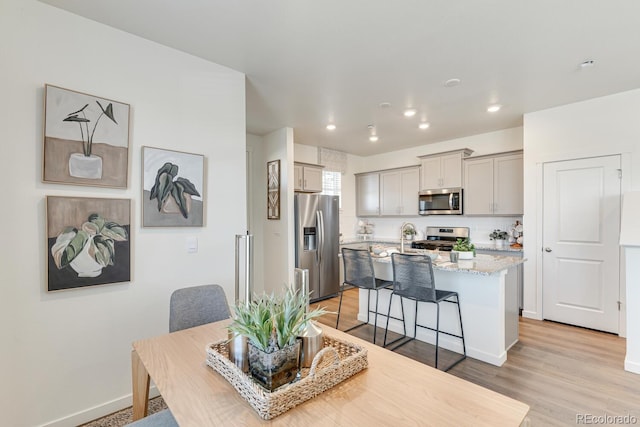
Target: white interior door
(581,228)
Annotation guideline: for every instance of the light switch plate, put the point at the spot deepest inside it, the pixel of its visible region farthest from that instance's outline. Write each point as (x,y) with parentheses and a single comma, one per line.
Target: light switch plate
(192,245)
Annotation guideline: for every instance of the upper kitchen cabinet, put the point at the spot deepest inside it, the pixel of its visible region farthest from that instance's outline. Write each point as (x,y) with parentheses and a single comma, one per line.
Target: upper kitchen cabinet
(391,192)
(442,170)
(368,194)
(399,191)
(493,185)
(307,177)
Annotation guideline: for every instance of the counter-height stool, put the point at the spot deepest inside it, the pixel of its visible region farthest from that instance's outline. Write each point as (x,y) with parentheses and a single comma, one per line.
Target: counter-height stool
(413,279)
(358,272)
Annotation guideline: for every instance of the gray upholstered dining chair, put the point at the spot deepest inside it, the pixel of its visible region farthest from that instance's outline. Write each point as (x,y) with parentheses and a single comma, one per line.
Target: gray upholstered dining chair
(197,305)
(413,279)
(188,308)
(358,272)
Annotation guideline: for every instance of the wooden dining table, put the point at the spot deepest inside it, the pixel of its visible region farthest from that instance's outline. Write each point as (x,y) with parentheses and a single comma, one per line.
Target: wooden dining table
(393,390)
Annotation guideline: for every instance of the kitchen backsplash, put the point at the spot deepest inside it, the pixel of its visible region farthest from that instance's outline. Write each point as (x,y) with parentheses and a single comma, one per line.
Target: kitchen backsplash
(479,227)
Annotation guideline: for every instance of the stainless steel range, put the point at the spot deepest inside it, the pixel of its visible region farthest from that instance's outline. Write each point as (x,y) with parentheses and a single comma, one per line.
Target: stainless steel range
(441,238)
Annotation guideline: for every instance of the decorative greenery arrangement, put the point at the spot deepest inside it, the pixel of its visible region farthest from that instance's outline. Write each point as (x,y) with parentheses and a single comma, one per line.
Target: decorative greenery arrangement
(75,117)
(464,245)
(168,185)
(409,230)
(271,322)
(498,235)
(98,234)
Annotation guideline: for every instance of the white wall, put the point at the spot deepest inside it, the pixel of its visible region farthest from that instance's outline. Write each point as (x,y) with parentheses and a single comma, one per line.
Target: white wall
(630,240)
(257,206)
(597,127)
(65,356)
(481,144)
(279,240)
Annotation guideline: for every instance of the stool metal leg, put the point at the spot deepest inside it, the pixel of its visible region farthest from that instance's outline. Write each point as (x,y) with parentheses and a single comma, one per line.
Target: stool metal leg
(339,305)
(404,326)
(437,331)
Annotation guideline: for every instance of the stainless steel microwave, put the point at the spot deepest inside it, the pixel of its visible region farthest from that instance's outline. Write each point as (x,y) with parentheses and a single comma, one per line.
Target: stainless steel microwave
(443,201)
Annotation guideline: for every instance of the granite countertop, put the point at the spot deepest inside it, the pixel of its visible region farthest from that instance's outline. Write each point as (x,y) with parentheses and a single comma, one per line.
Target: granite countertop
(373,240)
(396,241)
(492,247)
(481,264)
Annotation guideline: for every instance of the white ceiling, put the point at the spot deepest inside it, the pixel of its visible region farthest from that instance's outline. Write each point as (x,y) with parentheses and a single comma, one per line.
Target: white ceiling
(308,63)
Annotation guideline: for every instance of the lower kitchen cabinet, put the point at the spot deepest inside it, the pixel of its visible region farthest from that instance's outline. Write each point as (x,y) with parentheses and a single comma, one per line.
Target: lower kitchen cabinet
(519,271)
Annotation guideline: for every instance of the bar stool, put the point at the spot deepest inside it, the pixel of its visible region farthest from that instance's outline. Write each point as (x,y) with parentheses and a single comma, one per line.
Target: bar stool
(413,279)
(358,272)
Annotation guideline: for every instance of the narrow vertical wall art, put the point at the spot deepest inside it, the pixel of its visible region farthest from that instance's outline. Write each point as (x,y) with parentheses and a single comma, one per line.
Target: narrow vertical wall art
(273,189)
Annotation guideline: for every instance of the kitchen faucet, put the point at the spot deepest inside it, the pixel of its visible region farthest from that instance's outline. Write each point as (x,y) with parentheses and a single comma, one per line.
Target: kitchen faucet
(402,227)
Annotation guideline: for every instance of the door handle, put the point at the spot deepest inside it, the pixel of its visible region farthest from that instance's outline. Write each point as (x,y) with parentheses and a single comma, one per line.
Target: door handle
(547,249)
(320,228)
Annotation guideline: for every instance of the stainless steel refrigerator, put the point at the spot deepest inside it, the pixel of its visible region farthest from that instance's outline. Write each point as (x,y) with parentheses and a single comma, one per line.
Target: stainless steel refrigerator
(317,230)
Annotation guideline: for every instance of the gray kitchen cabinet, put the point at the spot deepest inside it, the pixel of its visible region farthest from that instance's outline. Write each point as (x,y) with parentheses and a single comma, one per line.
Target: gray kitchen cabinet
(442,170)
(399,192)
(368,194)
(519,269)
(307,178)
(392,192)
(493,185)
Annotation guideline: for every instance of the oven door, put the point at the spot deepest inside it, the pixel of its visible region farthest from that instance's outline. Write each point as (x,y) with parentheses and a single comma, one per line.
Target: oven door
(446,201)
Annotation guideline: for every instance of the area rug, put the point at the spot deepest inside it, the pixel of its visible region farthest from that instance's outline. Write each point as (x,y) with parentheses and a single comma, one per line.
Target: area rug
(124,417)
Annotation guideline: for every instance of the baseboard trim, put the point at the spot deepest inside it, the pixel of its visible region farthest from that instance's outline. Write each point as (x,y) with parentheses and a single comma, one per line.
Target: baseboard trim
(631,366)
(98,411)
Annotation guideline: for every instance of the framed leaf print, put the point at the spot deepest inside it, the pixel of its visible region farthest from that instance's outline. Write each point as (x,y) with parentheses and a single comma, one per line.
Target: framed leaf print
(88,241)
(173,188)
(86,139)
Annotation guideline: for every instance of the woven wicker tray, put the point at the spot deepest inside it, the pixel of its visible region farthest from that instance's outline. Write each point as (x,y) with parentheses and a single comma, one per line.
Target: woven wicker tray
(337,361)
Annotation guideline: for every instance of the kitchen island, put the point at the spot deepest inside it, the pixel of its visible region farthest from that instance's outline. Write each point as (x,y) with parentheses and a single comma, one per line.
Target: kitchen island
(487,286)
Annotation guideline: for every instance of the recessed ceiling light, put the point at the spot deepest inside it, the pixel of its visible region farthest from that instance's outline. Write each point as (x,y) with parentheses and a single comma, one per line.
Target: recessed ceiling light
(494,108)
(373,138)
(385,105)
(331,126)
(452,82)
(410,112)
(423,125)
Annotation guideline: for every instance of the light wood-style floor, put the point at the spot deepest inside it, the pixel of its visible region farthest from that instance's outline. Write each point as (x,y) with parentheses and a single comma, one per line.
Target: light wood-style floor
(560,371)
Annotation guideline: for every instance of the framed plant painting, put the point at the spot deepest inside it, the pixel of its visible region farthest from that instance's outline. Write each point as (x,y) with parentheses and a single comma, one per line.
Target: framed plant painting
(273,189)
(86,139)
(88,241)
(173,188)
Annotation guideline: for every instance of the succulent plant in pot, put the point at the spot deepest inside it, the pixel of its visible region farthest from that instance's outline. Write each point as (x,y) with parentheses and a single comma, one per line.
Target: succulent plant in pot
(499,237)
(272,325)
(465,248)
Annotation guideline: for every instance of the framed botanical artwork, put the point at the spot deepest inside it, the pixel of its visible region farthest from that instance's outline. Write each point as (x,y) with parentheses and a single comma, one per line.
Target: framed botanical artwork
(173,188)
(273,189)
(88,241)
(86,139)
